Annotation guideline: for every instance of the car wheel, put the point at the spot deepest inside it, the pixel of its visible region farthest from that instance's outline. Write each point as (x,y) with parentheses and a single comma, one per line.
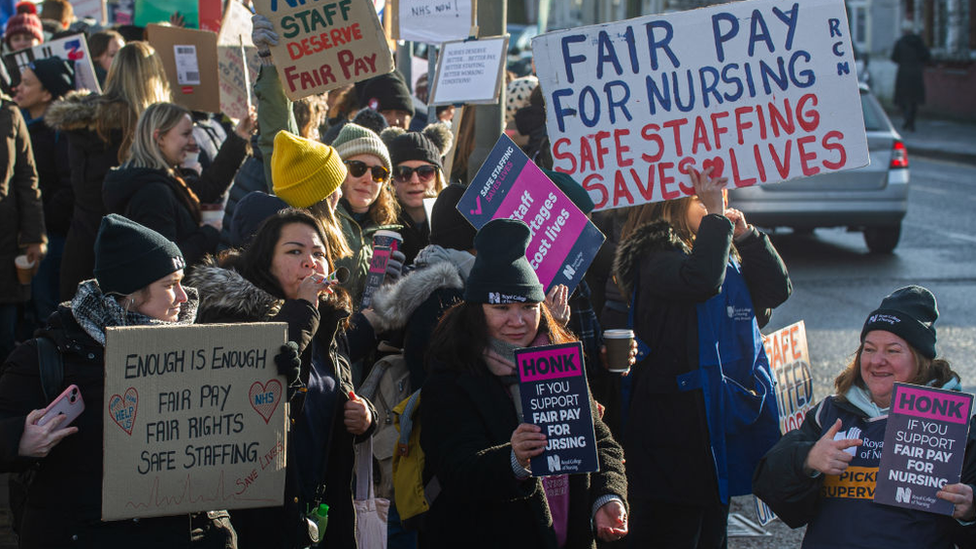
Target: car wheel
(882,240)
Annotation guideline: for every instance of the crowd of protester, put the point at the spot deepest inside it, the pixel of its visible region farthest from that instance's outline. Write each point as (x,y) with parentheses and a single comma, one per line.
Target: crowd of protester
(134,211)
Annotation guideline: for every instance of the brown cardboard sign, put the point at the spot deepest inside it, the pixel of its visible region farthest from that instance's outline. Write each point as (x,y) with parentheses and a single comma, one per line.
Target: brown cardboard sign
(190,59)
(238,61)
(194,419)
(325,45)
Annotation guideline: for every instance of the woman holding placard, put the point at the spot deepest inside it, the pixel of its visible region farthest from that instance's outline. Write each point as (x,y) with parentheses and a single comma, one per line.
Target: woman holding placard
(473,436)
(283,276)
(138,282)
(697,302)
(824,473)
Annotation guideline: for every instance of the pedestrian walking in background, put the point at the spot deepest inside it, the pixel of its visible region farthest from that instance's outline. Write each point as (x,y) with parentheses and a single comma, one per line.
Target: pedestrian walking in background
(911,54)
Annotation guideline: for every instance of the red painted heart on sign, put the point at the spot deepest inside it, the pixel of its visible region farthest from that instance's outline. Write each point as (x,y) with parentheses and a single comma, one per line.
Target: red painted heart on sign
(122,409)
(717,165)
(264,397)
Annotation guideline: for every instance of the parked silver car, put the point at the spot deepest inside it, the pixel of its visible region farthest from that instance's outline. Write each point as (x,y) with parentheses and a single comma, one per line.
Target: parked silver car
(872,199)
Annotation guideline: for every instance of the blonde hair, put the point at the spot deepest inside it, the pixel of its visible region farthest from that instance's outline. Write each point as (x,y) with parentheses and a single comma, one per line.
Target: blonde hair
(156,120)
(136,79)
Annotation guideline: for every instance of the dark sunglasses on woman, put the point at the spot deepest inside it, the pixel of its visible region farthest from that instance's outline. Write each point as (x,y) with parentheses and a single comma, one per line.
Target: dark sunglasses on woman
(424,173)
(357,169)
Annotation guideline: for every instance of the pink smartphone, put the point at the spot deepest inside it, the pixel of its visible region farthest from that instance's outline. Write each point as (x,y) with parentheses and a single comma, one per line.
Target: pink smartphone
(68,403)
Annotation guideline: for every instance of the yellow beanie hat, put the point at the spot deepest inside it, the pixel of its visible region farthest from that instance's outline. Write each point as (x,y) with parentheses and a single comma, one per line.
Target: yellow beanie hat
(304,172)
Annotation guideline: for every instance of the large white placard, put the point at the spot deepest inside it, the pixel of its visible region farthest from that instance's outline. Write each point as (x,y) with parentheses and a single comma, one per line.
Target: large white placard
(434,21)
(762,91)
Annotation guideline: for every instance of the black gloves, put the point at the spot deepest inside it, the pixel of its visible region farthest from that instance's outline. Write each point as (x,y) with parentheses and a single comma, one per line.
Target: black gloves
(289,362)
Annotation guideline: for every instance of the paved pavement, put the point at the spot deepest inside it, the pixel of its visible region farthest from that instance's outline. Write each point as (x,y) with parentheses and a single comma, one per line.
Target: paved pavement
(939,138)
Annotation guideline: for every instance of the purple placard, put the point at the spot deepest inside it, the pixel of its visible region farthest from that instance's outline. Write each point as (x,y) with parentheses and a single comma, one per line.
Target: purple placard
(508,185)
(556,397)
(929,404)
(924,447)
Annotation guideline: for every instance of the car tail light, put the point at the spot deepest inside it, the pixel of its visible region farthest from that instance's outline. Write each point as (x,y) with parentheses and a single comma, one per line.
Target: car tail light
(899,155)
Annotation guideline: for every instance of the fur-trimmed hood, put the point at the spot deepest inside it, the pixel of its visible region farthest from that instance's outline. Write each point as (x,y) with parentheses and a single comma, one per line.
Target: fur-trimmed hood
(395,303)
(225,294)
(656,236)
(79,110)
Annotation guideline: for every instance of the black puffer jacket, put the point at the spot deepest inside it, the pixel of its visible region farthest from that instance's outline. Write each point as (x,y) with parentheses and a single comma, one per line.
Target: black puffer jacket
(666,439)
(90,158)
(226,296)
(157,200)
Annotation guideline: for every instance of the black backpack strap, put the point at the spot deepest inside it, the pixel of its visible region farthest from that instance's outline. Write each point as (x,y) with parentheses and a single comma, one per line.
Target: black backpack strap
(51,368)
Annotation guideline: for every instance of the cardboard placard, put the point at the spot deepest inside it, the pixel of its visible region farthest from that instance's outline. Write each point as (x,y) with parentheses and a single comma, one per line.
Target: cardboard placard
(924,447)
(508,185)
(73,49)
(470,72)
(789,361)
(238,61)
(555,396)
(434,21)
(195,419)
(325,45)
(190,59)
(760,91)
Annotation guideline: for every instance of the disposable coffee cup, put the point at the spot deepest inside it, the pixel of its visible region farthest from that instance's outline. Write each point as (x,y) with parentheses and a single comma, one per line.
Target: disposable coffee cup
(390,239)
(25,269)
(618,349)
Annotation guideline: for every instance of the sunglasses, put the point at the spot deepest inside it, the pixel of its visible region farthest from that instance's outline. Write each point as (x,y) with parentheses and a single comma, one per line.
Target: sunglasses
(357,169)
(424,173)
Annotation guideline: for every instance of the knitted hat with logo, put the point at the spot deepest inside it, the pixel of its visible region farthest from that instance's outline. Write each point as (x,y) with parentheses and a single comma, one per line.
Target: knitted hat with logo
(501,273)
(304,172)
(909,313)
(129,256)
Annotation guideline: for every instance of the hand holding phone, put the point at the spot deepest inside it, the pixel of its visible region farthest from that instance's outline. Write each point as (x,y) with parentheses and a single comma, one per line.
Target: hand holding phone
(44,428)
(69,403)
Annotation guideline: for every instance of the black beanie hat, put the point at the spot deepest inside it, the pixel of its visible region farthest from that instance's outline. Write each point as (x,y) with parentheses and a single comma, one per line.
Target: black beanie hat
(501,273)
(414,146)
(129,257)
(387,92)
(571,189)
(56,75)
(448,228)
(909,313)
(249,213)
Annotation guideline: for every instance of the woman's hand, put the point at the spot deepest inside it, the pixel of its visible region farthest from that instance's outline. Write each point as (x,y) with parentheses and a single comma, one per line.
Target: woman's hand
(610,521)
(558,302)
(247,124)
(738,220)
(527,442)
(709,190)
(38,440)
(630,361)
(356,417)
(828,456)
(961,496)
(312,287)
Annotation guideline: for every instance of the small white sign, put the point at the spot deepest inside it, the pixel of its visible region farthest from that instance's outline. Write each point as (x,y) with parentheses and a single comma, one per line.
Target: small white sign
(469,72)
(187,67)
(435,21)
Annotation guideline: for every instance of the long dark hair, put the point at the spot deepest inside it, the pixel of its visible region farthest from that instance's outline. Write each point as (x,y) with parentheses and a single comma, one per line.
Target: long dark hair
(461,337)
(254,263)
